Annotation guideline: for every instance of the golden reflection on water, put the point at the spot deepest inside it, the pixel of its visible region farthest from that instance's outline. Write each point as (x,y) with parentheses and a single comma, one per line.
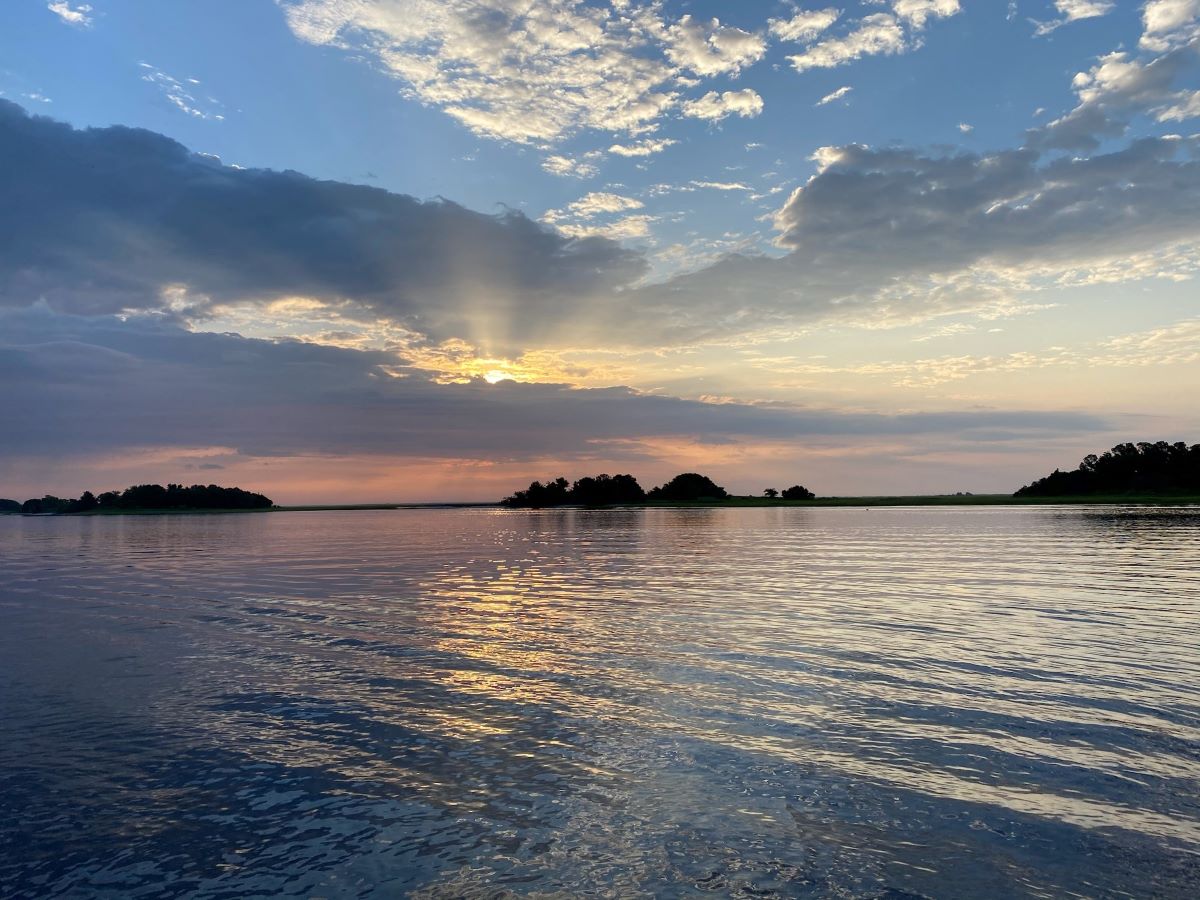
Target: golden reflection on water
(644,699)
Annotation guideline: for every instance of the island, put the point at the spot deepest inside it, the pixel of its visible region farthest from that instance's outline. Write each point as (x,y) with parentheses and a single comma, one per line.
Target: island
(1130,473)
(145,498)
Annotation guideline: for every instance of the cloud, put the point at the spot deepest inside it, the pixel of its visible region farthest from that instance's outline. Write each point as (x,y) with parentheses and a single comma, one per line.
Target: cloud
(116,219)
(79,14)
(103,220)
(917,12)
(712,48)
(180,96)
(892,236)
(875,34)
(594,204)
(142,384)
(950,211)
(965,127)
(619,229)
(714,107)
(1184,105)
(1113,91)
(532,72)
(805,24)
(1177,344)
(1169,23)
(835,95)
(879,34)
(1074,10)
(648,147)
(569,167)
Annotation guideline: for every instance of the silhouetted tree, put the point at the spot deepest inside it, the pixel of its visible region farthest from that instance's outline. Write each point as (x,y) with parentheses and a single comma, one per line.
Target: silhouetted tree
(86,503)
(538,495)
(154,496)
(44,505)
(607,490)
(688,487)
(797,492)
(770,493)
(1143,468)
(198,496)
(10,506)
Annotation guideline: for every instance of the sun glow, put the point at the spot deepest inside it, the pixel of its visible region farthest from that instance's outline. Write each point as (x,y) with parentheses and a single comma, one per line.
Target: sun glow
(496,375)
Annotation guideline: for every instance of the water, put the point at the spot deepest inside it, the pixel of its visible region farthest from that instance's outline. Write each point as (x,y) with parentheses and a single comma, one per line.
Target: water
(888,703)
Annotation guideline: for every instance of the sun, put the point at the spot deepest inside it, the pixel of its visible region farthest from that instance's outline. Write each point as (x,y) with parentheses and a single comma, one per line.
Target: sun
(496,375)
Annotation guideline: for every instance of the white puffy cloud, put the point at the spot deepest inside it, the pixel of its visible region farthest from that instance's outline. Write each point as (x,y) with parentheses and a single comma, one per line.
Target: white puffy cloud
(508,69)
(917,12)
(805,24)
(1116,88)
(835,95)
(532,72)
(1169,23)
(710,48)
(714,107)
(80,14)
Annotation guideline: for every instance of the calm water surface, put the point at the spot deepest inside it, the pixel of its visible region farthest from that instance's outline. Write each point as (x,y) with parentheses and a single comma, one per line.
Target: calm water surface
(894,703)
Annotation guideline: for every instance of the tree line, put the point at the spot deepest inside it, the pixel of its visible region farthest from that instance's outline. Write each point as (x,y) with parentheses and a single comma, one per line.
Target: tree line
(144,496)
(623,490)
(1142,468)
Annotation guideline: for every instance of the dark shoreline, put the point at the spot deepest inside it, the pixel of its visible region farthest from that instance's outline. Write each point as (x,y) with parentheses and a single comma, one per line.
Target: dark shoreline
(732,502)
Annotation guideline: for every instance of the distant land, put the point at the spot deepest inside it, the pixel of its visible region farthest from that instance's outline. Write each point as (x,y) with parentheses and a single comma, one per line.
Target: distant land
(145,498)
(1145,472)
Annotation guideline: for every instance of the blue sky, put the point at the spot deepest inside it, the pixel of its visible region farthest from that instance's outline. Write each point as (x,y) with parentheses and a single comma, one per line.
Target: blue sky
(699,150)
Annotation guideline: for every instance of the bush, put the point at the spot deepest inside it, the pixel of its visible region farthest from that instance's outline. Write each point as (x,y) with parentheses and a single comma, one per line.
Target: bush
(689,487)
(796,492)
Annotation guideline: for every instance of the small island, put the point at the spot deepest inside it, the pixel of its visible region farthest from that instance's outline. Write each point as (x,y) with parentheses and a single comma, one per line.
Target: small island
(1155,470)
(142,498)
(624,490)
(1144,472)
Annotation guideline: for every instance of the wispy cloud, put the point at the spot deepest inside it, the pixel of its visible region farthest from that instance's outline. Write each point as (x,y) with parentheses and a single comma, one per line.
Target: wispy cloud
(834,96)
(648,147)
(179,93)
(805,24)
(1073,11)
(878,34)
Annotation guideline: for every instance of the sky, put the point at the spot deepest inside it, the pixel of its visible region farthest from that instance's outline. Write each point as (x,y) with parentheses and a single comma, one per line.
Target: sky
(413,250)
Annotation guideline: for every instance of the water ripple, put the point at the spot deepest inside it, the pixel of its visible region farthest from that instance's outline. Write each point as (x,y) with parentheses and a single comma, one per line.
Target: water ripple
(896,703)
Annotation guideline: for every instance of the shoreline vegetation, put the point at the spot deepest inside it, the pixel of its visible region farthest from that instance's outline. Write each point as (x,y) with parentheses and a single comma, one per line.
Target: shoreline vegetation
(1153,474)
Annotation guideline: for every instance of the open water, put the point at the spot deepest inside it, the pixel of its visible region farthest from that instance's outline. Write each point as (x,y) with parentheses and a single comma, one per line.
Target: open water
(885,703)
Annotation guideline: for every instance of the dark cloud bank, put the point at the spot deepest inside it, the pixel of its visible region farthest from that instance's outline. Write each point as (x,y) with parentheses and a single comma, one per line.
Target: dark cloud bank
(100,220)
(100,384)
(97,221)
